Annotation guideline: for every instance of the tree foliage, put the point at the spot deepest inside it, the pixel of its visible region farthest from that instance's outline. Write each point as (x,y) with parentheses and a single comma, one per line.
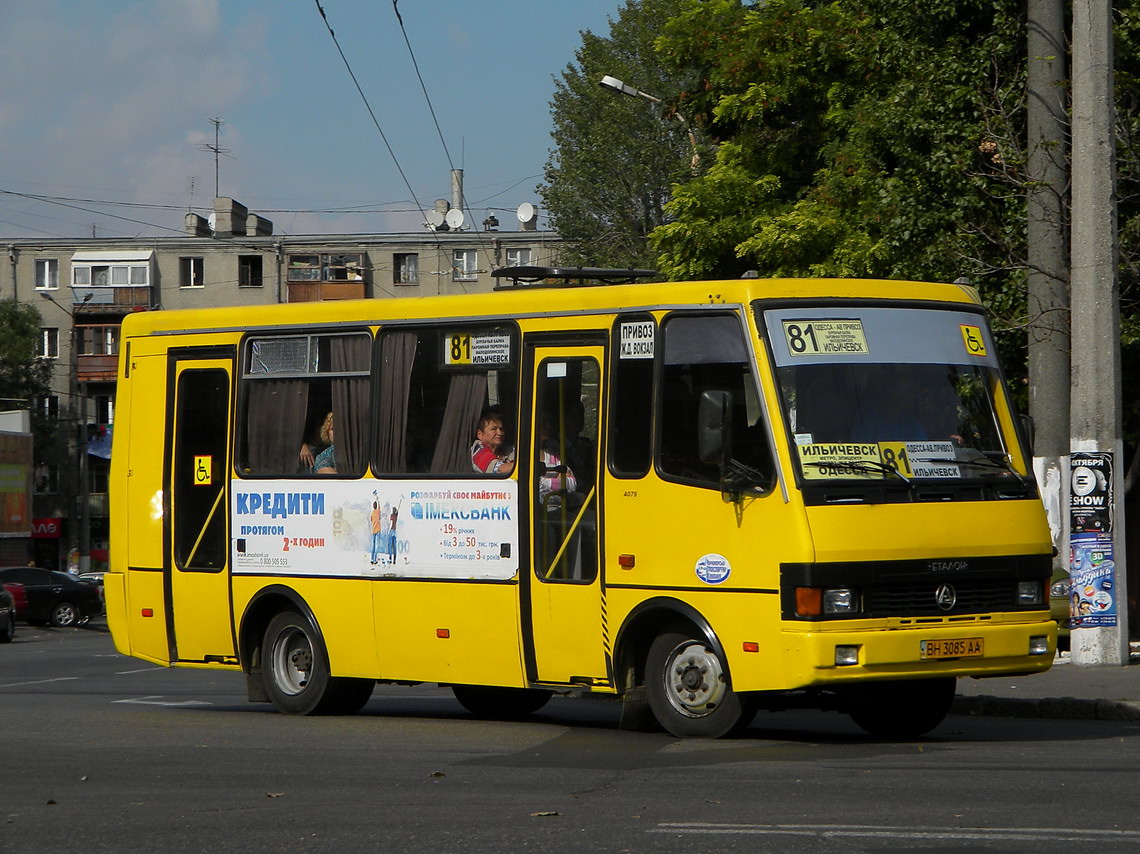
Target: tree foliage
(878,138)
(23,376)
(608,178)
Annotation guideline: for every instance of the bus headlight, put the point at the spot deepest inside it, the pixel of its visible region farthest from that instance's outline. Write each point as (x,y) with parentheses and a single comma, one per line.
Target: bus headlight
(1039,645)
(840,600)
(1030,593)
(845,656)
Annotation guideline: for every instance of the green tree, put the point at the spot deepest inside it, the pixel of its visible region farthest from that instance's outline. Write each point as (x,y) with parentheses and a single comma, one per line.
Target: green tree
(23,375)
(615,157)
(880,138)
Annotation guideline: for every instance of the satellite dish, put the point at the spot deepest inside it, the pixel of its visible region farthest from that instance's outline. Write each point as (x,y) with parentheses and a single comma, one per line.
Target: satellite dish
(526,212)
(454,218)
(434,218)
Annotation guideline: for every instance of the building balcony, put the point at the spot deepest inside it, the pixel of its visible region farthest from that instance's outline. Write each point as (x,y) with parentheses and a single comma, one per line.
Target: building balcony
(96,369)
(111,300)
(323,291)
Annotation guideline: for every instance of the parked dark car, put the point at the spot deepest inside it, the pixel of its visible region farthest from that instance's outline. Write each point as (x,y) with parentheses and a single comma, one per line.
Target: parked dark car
(7,614)
(54,597)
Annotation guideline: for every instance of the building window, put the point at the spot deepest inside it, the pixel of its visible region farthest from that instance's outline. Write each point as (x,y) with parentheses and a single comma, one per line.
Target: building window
(48,344)
(103,272)
(45,480)
(98,340)
(405,268)
(98,475)
(190,273)
(249,271)
(345,267)
(105,409)
(519,257)
(47,274)
(48,407)
(464,265)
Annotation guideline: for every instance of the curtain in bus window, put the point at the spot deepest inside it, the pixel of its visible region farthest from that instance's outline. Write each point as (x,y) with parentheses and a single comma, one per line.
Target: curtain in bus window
(465,399)
(275,424)
(350,402)
(397,356)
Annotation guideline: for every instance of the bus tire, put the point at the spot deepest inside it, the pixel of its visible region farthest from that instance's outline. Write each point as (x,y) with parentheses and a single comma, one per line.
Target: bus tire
(687,684)
(905,709)
(504,703)
(295,671)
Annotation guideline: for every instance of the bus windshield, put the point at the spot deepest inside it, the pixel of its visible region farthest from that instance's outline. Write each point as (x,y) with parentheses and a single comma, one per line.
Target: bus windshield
(873,394)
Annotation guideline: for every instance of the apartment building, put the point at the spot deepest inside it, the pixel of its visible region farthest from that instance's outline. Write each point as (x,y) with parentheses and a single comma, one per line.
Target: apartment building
(84,287)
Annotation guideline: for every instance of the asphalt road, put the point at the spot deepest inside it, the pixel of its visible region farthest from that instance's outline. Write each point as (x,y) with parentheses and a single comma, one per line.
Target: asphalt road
(104,753)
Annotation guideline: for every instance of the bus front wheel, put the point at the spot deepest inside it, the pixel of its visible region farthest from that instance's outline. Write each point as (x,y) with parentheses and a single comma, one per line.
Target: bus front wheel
(688,688)
(905,709)
(295,670)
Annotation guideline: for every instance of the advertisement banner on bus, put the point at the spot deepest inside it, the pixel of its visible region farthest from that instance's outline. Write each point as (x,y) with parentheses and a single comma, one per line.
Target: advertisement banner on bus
(400,529)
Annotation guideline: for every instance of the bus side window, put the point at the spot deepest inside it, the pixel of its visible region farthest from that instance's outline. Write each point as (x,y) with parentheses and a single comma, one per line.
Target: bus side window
(291,383)
(631,396)
(708,353)
(431,391)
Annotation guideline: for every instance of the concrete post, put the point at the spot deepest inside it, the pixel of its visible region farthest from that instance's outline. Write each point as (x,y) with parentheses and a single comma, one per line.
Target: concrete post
(1096,504)
(1047,259)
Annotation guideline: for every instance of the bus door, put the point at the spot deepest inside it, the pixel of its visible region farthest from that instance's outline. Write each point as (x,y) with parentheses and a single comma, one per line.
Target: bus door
(565,642)
(198,474)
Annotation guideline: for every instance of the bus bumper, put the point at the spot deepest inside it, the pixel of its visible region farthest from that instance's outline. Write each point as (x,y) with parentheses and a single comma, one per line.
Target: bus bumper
(832,657)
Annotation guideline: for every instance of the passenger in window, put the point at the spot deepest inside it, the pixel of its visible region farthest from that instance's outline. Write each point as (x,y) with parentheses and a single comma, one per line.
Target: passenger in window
(489,453)
(555,479)
(314,442)
(581,452)
(325,462)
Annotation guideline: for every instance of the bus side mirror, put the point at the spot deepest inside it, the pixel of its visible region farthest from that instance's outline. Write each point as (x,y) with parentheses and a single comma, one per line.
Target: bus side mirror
(714,428)
(1029,430)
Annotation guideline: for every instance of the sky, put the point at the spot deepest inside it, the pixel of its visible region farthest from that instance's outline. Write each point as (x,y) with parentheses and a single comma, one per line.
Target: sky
(111,101)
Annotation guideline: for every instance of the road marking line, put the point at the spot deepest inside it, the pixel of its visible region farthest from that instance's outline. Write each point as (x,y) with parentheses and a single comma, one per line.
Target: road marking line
(39,682)
(156,700)
(140,670)
(889,832)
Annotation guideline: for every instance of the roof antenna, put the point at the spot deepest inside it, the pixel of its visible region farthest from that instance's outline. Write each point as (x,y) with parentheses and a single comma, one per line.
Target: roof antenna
(217,149)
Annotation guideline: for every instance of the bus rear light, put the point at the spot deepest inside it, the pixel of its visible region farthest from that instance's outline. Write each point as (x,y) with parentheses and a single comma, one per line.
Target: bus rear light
(751,646)
(845,656)
(809,601)
(148,612)
(443,633)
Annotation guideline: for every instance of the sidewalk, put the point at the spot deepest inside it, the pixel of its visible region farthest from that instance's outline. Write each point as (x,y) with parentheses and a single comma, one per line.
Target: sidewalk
(1066,691)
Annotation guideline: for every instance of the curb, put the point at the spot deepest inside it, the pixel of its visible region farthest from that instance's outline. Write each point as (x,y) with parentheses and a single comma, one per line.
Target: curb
(1060,708)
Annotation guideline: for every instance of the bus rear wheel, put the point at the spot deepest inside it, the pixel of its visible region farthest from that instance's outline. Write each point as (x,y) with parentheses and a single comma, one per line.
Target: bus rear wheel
(503,703)
(295,671)
(905,709)
(688,688)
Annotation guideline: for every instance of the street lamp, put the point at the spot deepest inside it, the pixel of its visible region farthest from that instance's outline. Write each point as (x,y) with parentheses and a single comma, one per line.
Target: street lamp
(622,88)
(78,407)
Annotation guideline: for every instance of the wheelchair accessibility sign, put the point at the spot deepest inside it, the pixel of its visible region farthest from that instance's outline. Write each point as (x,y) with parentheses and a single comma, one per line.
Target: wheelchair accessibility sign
(203,471)
(975,343)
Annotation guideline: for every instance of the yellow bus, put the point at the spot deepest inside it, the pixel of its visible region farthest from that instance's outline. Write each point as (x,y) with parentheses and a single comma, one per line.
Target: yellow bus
(700,498)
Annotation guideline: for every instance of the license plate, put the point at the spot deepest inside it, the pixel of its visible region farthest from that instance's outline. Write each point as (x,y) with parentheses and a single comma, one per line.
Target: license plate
(952,648)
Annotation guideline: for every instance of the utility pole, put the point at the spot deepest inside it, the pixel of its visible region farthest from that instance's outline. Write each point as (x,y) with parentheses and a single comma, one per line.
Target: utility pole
(1099,579)
(1047,259)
